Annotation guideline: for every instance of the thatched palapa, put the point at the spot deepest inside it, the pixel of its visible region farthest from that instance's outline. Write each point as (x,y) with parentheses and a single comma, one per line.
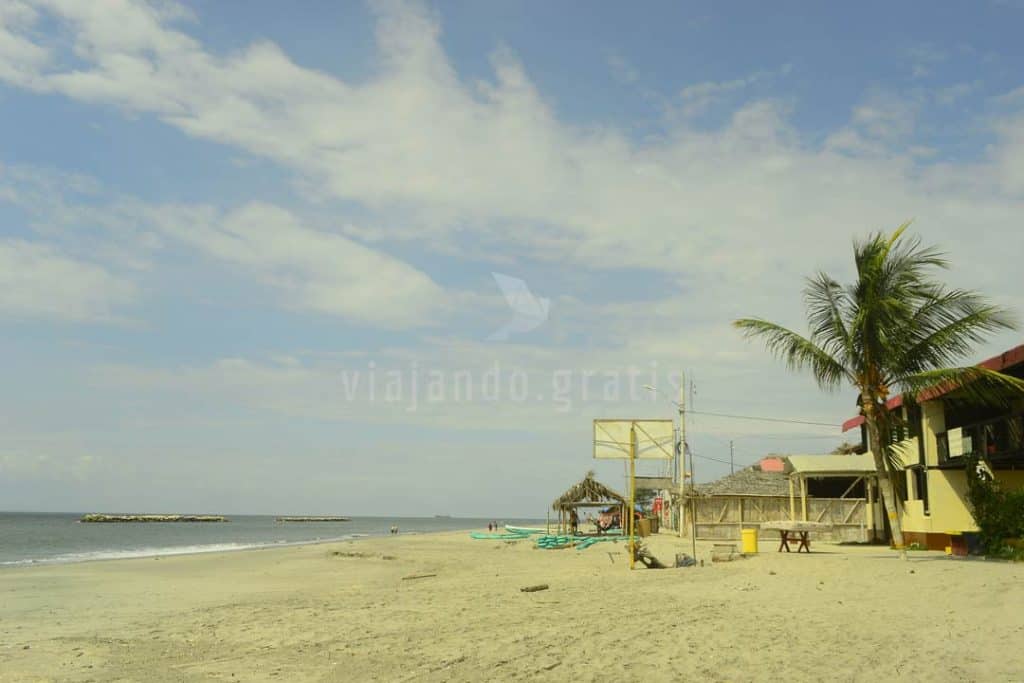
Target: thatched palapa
(587,493)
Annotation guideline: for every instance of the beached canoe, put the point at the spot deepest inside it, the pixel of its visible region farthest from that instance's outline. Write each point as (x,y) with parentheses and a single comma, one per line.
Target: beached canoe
(484,536)
(528,530)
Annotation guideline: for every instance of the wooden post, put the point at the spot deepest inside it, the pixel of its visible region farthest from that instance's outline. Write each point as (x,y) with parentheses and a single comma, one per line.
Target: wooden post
(803,497)
(739,504)
(870,485)
(792,501)
(632,493)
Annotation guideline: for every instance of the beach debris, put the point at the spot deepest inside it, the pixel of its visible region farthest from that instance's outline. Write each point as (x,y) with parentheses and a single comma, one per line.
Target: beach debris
(349,553)
(643,555)
(684,560)
(411,577)
(534,589)
(724,552)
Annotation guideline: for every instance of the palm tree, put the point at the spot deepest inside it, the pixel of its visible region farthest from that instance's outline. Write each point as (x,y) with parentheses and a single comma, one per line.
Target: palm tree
(895,329)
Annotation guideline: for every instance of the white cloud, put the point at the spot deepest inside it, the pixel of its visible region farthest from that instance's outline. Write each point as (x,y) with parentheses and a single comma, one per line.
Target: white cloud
(734,216)
(317,271)
(38,282)
(433,156)
(447,158)
(20,58)
(699,97)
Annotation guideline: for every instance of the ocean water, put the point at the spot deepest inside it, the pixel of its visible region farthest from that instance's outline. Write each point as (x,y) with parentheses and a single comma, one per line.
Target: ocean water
(50,538)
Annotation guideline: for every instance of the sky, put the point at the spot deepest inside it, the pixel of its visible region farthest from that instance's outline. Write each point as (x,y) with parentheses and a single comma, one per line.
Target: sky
(396,257)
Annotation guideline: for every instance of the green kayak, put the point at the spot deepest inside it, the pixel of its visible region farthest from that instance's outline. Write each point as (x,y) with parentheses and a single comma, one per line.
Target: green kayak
(480,535)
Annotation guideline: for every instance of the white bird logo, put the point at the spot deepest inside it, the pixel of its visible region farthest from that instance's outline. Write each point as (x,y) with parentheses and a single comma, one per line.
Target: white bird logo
(530,311)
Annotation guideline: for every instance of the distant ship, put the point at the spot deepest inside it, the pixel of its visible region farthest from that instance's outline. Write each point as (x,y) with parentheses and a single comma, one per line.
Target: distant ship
(442,516)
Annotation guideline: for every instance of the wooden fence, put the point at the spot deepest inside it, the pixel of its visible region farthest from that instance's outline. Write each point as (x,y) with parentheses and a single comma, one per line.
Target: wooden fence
(722,517)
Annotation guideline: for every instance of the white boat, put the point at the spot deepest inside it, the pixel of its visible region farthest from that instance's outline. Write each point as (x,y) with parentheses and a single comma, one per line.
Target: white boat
(525,529)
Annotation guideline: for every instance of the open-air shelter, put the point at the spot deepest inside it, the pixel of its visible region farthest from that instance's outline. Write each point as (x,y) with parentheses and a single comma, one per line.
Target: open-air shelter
(587,493)
(857,475)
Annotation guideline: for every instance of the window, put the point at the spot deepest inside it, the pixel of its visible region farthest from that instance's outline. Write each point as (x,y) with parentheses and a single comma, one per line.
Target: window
(921,486)
(993,438)
(942,441)
(914,421)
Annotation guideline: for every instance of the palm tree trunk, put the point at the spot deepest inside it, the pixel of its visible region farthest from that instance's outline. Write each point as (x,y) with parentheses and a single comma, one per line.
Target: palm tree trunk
(886,487)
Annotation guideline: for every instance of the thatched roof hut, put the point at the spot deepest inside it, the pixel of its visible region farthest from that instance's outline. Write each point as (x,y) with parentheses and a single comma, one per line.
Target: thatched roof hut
(589,491)
(749,481)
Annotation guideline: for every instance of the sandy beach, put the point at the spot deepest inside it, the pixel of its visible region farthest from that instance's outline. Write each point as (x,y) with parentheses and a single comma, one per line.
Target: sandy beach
(342,612)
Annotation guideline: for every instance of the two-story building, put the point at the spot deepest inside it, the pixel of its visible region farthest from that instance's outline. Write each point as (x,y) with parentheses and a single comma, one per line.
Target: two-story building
(943,428)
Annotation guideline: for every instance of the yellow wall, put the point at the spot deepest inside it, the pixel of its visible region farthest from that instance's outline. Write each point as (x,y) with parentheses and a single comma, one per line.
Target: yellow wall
(947,489)
(933,421)
(947,502)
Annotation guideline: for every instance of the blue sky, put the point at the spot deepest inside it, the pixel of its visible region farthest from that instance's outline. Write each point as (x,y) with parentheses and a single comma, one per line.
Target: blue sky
(215,216)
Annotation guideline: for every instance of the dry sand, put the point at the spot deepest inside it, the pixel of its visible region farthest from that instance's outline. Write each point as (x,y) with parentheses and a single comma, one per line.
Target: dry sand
(341,612)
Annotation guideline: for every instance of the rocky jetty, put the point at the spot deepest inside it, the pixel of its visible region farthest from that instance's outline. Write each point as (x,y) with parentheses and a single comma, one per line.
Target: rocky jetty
(313,519)
(97,518)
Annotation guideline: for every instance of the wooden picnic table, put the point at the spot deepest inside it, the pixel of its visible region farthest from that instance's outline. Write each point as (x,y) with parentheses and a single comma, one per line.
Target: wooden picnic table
(795,532)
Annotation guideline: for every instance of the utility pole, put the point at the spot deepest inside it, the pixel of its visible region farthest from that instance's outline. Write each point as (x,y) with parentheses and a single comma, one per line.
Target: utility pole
(732,465)
(681,448)
(693,492)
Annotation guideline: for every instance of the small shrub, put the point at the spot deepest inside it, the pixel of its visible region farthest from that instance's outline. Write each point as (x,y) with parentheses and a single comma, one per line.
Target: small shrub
(998,513)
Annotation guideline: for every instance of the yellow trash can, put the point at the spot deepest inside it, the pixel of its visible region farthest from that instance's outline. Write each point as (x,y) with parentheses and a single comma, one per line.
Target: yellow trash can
(749,541)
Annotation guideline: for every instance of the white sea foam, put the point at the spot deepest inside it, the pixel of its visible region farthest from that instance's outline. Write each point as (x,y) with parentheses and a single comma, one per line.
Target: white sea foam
(136,553)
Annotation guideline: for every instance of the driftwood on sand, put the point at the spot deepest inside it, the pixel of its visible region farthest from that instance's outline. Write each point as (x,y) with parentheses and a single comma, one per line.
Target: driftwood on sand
(534,589)
(643,555)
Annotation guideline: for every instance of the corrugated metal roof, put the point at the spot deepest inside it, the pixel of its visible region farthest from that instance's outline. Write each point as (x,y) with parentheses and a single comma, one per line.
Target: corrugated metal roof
(832,464)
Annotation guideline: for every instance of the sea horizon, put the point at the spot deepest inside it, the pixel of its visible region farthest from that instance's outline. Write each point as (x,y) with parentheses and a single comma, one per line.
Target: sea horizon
(47,538)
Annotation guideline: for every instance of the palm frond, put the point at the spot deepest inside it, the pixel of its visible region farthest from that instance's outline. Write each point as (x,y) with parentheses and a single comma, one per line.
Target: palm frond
(798,351)
(973,384)
(828,309)
(947,328)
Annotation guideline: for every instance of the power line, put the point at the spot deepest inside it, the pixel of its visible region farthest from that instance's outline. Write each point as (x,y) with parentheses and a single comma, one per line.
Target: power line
(765,419)
(708,457)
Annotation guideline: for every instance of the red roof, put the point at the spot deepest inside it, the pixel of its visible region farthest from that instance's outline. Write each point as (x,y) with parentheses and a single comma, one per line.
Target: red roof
(998,363)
